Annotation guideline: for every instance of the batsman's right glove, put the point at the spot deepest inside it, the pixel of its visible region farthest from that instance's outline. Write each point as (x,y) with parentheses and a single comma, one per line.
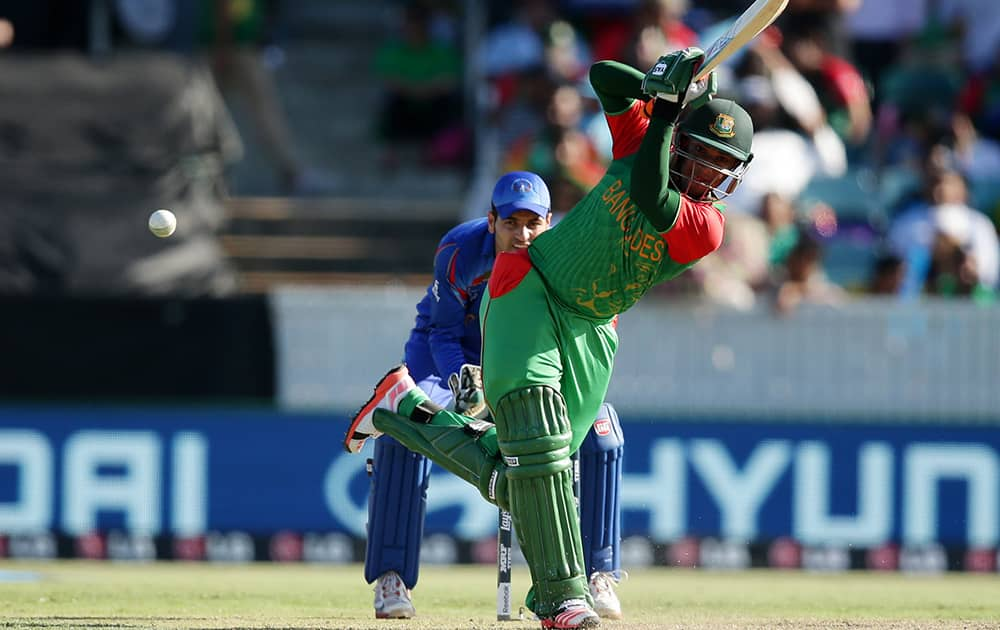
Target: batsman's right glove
(467,390)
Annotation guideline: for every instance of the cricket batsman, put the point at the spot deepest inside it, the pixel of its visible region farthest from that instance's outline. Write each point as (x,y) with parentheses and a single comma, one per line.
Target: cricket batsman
(548,319)
(442,356)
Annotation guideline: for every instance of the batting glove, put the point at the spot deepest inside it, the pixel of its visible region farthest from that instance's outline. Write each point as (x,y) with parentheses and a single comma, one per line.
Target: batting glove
(671,76)
(701,91)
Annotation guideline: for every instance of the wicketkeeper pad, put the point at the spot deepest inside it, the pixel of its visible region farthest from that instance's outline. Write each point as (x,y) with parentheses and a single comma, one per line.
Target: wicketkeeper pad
(534,435)
(397,505)
(600,493)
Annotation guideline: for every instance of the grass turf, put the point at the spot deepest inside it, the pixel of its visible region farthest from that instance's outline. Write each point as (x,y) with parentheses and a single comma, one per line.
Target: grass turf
(80,594)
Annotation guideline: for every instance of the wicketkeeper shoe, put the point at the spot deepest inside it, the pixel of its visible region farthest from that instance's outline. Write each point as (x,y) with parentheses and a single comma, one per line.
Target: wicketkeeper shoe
(602,589)
(392,598)
(388,391)
(573,613)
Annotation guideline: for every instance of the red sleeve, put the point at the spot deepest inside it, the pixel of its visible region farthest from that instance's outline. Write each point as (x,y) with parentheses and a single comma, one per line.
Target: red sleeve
(697,232)
(509,269)
(970,98)
(845,79)
(627,129)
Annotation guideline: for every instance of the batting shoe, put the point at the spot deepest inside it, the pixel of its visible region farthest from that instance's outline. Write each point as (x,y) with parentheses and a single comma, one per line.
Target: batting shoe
(602,589)
(392,598)
(573,613)
(388,391)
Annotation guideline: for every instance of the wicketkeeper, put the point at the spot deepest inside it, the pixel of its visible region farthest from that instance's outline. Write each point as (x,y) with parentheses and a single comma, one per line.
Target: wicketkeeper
(549,316)
(442,355)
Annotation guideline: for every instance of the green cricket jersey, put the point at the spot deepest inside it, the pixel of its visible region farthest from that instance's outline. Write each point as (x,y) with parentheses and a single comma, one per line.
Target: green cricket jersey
(615,244)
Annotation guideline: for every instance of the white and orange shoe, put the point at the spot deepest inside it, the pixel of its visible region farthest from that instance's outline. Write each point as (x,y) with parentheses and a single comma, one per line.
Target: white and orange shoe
(387,394)
(572,614)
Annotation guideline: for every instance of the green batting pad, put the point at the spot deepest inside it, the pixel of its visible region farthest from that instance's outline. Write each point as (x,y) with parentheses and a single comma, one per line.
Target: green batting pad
(487,440)
(452,448)
(534,435)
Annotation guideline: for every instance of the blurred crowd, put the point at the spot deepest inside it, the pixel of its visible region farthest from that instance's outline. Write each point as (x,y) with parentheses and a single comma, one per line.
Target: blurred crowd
(877,163)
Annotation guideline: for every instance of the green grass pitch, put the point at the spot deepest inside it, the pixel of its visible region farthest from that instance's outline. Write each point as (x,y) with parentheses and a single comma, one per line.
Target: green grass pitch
(89,595)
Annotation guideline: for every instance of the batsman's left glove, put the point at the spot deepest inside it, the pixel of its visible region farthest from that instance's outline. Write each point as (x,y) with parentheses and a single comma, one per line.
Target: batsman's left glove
(467,390)
(670,82)
(671,75)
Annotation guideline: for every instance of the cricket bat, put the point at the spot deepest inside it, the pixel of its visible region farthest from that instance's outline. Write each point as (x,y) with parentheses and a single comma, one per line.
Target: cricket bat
(754,20)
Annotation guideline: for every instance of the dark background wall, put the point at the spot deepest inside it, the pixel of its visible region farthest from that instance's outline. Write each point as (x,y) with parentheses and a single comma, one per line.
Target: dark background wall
(103,349)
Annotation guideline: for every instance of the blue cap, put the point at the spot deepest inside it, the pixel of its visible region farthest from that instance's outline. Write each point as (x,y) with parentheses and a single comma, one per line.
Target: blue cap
(521,190)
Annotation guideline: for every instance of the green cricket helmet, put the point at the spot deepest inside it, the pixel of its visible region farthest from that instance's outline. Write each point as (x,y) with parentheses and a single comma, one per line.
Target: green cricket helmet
(722,125)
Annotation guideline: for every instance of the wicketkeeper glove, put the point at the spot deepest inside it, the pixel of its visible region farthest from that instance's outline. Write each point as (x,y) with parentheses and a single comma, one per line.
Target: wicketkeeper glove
(467,390)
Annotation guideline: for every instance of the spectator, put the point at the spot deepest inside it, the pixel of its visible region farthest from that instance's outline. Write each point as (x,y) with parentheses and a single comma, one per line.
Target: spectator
(840,87)
(518,44)
(825,17)
(560,148)
(977,158)
(655,28)
(445,22)
(594,124)
(521,103)
(778,215)
(788,158)
(234,31)
(980,97)
(420,80)
(944,208)
(566,54)
(887,275)
(977,23)
(739,268)
(565,194)
(167,23)
(524,58)
(795,96)
(908,137)
(802,279)
(953,271)
(880,30)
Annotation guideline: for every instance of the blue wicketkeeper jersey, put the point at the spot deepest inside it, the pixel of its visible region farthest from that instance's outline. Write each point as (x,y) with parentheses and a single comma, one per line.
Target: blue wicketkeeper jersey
(446,333)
